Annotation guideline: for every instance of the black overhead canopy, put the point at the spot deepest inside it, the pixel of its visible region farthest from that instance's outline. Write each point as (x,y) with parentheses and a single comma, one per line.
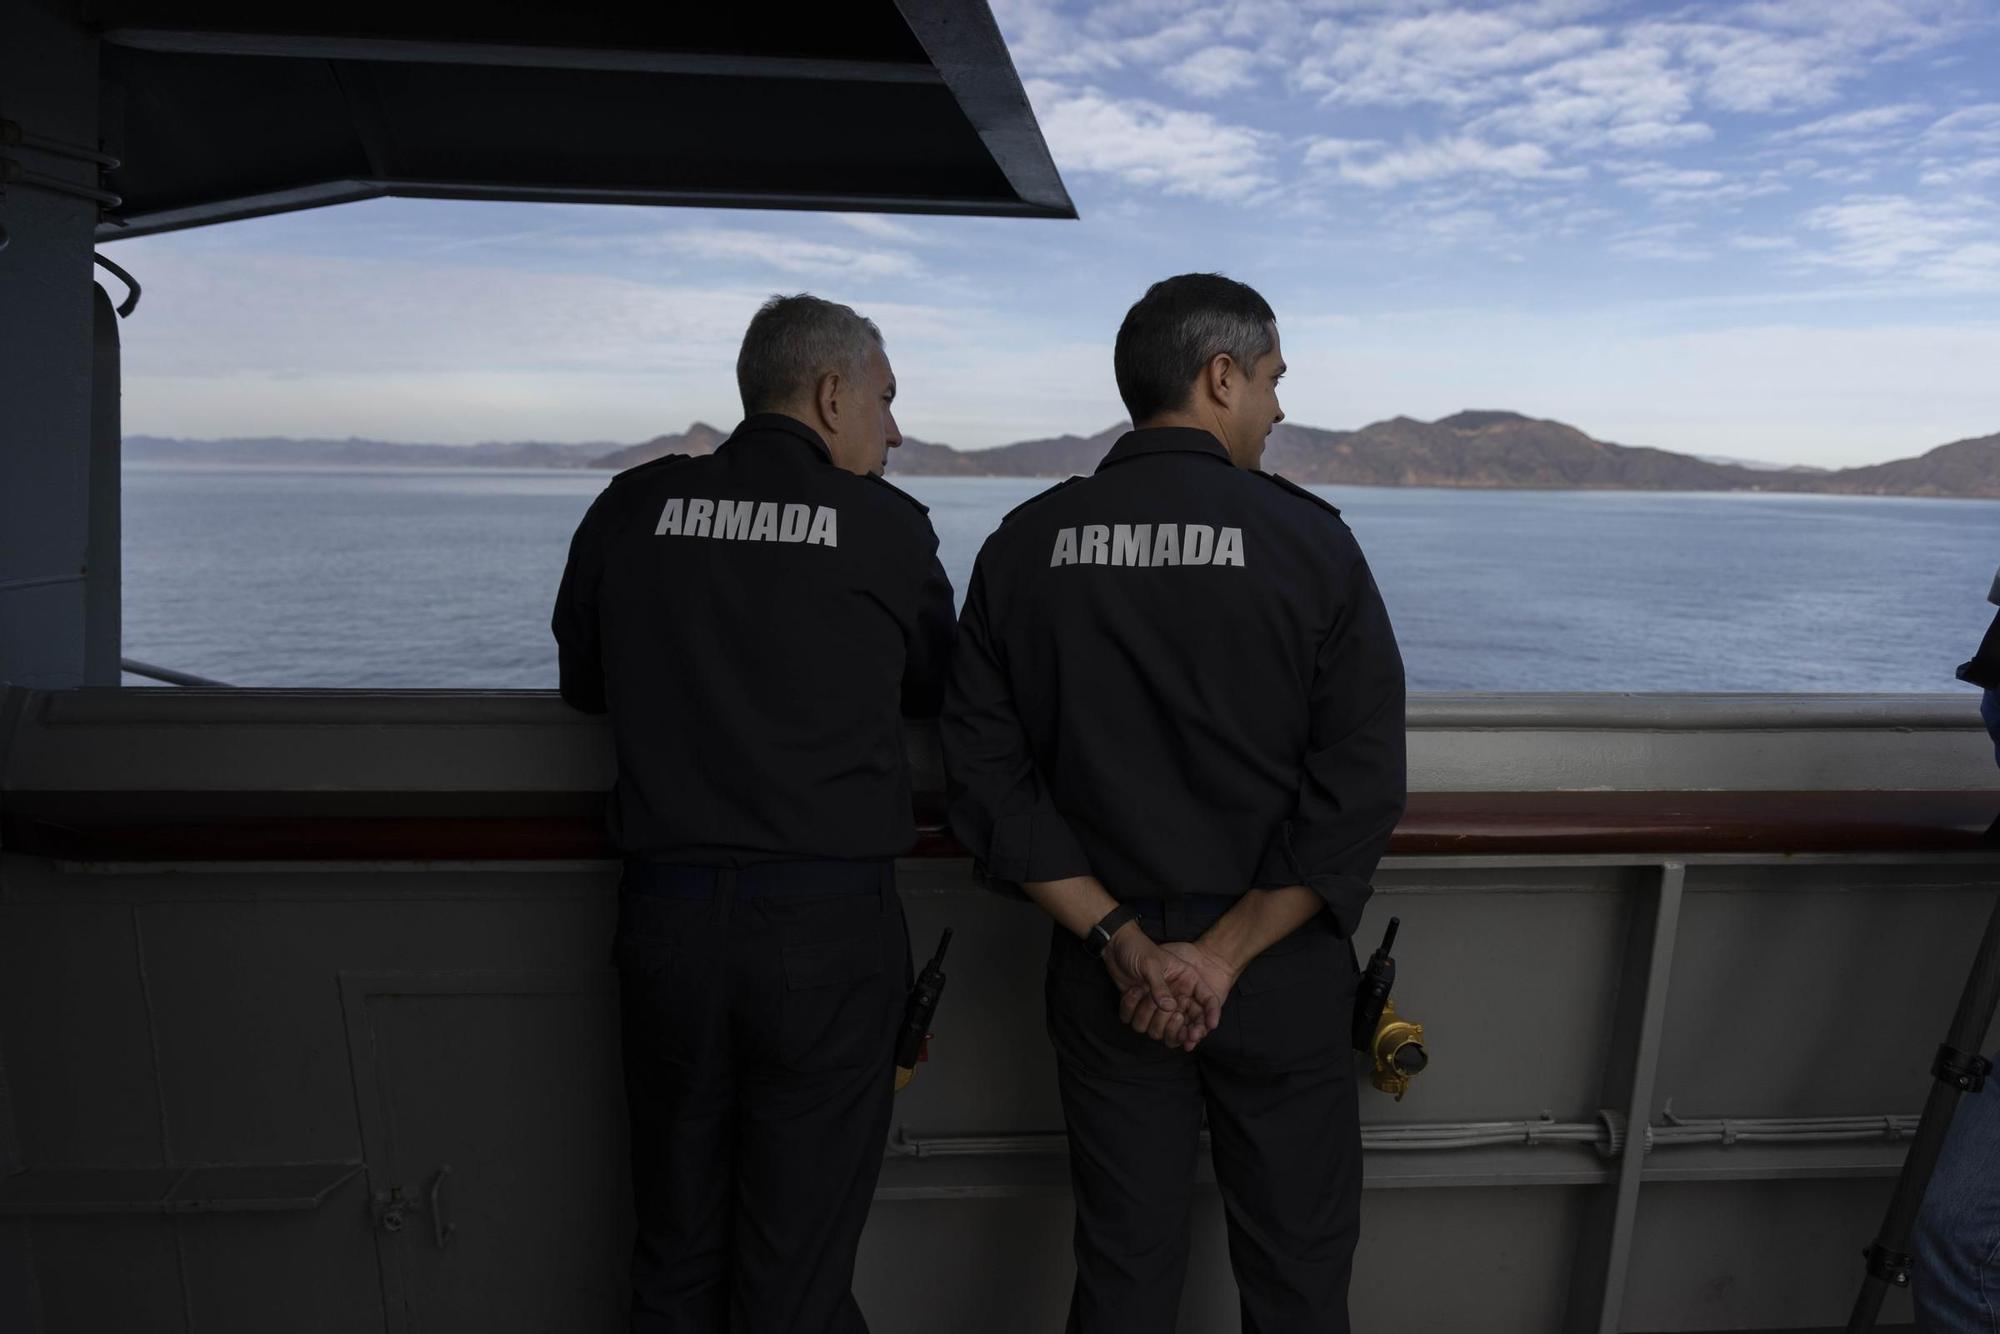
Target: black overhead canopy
(234,109)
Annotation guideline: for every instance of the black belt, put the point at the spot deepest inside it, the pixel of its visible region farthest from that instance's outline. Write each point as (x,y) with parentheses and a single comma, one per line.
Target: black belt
(759,880)
(1195,905)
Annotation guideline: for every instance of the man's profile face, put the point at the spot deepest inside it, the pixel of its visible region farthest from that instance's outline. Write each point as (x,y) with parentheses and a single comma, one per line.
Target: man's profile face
(1255,410)
(868,422)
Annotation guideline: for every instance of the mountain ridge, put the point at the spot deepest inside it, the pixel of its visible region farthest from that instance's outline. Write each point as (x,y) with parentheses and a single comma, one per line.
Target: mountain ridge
(1471,449)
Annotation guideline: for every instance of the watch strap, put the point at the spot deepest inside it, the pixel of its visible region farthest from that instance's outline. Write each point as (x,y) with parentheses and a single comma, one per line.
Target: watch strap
(1098,938)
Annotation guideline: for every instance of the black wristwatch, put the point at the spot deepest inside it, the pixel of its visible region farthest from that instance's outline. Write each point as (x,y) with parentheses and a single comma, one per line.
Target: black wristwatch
(1098,938)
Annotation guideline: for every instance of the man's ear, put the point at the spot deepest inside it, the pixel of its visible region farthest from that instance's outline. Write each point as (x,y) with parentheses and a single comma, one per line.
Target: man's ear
(1223,374)
(827,398)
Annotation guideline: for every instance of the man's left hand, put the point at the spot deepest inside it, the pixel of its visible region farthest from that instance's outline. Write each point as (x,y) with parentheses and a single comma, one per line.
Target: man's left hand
(1218,976)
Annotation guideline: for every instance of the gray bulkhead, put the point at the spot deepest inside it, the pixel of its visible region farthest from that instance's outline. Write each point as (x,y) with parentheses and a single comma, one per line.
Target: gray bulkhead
(371,1082)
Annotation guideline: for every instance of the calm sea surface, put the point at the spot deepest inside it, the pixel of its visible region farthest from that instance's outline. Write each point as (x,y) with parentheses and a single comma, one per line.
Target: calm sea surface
(443,578)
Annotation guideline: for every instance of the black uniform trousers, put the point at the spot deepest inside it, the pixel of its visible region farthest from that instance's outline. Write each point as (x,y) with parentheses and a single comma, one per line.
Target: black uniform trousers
(759,1011)
(1277,1082)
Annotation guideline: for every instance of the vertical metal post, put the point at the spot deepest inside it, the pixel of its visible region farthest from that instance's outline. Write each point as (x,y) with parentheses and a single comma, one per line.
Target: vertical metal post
(103,560)
(1597,1290)
(48,71)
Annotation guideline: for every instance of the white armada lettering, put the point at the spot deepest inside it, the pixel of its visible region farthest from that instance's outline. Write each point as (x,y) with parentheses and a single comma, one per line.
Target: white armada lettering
(1147,545)
(732,518)
(749,521)
(794,527)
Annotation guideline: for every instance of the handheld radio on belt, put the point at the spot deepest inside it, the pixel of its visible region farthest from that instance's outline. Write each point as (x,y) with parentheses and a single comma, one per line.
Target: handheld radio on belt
(1394,1044)
(917,1015)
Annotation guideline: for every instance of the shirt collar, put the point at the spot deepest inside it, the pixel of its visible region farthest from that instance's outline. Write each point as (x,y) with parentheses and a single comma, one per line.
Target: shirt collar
(764,423)
(1164,440)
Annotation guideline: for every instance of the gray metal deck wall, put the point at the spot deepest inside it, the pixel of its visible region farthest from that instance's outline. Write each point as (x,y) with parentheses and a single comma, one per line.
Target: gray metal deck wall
(211,1069)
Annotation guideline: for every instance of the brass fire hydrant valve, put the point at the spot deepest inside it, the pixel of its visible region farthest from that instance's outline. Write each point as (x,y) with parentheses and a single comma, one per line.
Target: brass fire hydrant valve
(1394,1046)
(1398,1052)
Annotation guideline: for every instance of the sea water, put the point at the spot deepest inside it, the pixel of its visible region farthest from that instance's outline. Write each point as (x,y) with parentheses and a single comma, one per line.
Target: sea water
(444,578)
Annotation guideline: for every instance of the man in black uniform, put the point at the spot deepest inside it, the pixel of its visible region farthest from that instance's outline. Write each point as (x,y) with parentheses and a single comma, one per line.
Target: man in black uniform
(1176,715)
(756,623)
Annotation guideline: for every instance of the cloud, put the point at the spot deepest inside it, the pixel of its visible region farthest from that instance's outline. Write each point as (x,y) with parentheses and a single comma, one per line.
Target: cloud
(1449,58)
(1050,40)
(1627,97)
(881,228)
(1667,185)
(1956,247)
(1429,161)
(1970,127)
(1659,177)
(1867,130)
(1965,173)
(1753,241)
(1847,124)
(1743,69)
(1582,76)
(1214,71)
(1666,240)
(1151,146)
(789,254)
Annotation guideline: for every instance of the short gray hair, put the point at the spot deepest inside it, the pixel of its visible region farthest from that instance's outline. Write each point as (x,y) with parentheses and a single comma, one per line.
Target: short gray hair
(792,341)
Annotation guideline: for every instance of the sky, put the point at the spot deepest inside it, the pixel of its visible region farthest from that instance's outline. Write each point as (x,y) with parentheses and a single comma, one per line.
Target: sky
(1766,229)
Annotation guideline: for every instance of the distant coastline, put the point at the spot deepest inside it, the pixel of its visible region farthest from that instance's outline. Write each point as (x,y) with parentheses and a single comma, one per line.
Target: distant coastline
(1474,449)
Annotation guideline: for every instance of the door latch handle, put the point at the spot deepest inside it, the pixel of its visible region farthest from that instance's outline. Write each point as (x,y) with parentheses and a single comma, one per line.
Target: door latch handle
(392,1209)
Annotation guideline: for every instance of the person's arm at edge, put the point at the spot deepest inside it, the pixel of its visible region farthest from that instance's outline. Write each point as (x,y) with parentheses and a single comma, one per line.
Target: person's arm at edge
(574,621)
(928,641)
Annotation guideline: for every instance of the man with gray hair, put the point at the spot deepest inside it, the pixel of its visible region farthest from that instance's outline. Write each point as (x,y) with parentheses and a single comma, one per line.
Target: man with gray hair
(751,621)
(1176,721)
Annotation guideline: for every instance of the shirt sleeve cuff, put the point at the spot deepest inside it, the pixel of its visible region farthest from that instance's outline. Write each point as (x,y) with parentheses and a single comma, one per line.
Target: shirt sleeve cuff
(1344,895)
(1034,845)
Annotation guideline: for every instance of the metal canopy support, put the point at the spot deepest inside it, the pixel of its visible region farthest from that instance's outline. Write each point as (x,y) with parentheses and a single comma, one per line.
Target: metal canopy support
(446,52)
(238,111)
(964,43)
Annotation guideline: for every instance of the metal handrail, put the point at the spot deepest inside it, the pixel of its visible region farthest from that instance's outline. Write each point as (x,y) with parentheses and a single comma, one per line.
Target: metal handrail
(167,674)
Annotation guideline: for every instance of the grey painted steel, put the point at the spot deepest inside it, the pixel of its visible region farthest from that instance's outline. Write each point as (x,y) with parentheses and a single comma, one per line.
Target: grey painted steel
(133,667)
(49,73)
(568,108)
(416,1016)
(353,740)
(103,595)
(1645,1070)
(203,1188)
(711,64)
(965,45)
(49,77)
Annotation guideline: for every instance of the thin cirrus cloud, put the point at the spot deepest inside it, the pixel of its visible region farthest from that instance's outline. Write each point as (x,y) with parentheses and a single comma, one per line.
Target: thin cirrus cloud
(1899,236)
(1145,144)
(1215,71)
(1367,162)
(786,254)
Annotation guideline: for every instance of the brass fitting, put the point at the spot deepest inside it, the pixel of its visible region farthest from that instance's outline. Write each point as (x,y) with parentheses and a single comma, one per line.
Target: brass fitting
(1399,1052)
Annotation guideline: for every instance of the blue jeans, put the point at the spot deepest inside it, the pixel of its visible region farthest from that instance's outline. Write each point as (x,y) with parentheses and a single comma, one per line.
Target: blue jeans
(1957,1278)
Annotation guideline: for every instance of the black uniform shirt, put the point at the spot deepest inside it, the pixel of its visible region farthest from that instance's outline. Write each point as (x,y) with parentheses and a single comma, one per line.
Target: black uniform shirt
(757,622)
(1177,675)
